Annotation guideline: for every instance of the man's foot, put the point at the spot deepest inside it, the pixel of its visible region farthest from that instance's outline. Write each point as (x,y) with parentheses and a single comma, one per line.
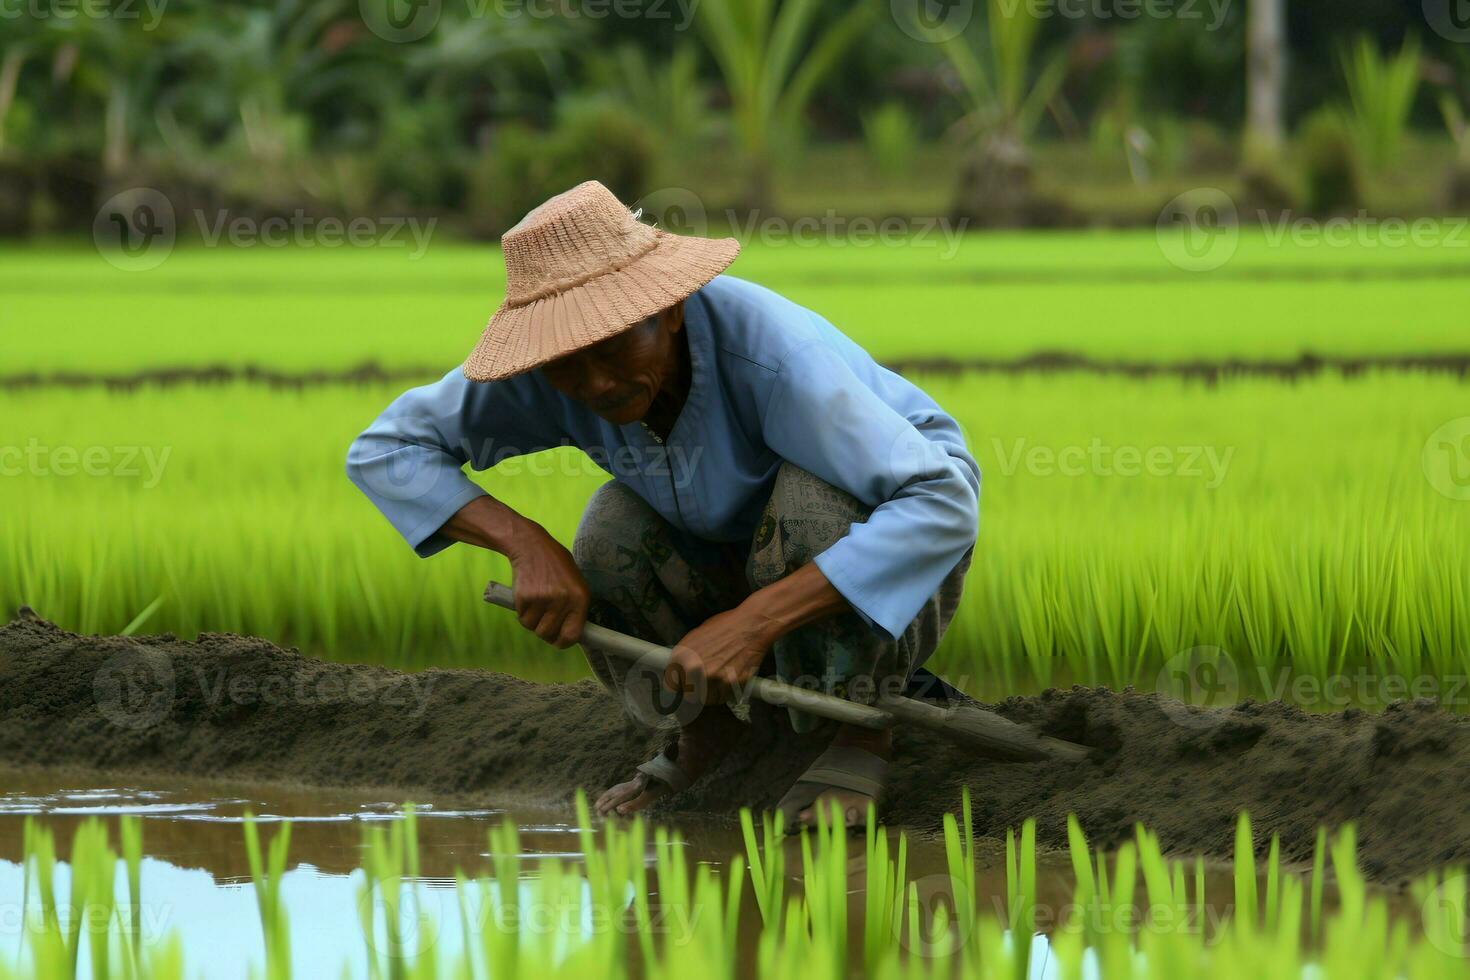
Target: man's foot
(702,743)
(850,804)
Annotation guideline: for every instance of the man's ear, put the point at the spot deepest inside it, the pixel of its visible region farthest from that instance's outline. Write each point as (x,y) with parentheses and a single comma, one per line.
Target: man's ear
(673,317)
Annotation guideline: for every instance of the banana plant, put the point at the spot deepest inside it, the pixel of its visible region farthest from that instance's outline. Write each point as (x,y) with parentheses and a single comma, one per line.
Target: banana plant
(1381,90)
(772,56)
(1007,86)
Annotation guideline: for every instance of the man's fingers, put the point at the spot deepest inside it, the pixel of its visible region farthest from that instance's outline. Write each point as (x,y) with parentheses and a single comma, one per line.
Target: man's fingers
(549,627)
(571,628)
(530,612)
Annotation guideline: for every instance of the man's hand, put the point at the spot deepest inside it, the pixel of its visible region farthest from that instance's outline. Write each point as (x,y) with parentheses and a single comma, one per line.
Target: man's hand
(728,649)
(723,654)
(551,595)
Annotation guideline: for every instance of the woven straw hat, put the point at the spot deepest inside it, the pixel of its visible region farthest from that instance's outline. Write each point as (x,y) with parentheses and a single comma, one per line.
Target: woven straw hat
(581,268)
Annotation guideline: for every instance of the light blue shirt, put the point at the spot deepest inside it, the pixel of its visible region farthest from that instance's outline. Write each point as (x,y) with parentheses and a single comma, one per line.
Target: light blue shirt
(771,382)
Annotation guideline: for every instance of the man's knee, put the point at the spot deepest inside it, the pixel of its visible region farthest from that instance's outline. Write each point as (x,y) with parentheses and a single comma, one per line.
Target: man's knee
(805,516)
(612,530)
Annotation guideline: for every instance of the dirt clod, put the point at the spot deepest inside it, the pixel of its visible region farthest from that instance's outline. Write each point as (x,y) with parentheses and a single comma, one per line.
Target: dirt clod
(239,707)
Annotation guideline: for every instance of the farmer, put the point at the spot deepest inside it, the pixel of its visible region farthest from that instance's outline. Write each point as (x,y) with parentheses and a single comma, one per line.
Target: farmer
(779,502)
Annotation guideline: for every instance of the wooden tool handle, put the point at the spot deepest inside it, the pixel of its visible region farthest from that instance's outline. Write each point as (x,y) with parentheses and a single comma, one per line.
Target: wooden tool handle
(966,724)
(766,689)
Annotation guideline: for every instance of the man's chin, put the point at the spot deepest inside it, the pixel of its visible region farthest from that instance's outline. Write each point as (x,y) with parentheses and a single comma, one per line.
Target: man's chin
(624,414)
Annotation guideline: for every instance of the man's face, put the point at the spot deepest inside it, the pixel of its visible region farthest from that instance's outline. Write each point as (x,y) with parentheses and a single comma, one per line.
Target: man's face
(619,377)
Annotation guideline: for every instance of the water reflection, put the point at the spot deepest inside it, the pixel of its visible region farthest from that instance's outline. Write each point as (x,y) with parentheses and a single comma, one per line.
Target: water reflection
(196,876)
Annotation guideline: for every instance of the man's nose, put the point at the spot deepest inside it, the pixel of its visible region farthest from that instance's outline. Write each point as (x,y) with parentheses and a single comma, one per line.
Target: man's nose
(596,383)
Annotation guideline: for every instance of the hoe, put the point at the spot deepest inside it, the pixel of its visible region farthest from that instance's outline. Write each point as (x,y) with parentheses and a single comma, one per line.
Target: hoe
(968,725)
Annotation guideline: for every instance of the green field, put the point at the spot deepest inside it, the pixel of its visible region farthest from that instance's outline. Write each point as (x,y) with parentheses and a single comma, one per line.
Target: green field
(1122,522)
(1299,526)
(1002,296)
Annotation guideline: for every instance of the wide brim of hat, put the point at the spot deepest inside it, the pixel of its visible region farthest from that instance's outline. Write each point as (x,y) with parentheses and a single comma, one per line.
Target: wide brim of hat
(519,338)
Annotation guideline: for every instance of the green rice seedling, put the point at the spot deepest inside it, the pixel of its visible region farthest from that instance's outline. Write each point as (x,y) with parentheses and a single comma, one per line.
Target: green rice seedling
(1273,883)
(266,870)
(1319,875)
(130,832)
(883,895)
(91,903)
(1020,892)
(766,860)
(1245,874)
(1360,937)
(1085,891)
(1300,564)
(824,874)
(959,857)
(89,916)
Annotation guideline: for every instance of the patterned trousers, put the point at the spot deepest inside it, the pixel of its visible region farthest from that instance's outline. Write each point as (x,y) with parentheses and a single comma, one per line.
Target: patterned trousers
(649,579)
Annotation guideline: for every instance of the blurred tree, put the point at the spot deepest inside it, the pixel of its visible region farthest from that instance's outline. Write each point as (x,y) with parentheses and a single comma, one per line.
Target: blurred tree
(668,97)
(1265,126)
(1005,93)
(1381,89)
(758,45)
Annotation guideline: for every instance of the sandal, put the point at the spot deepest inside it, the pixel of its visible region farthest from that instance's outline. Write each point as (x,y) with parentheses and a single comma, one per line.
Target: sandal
(840,767)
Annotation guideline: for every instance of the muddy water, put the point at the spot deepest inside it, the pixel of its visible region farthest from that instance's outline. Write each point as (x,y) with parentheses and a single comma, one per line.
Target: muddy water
(196,878)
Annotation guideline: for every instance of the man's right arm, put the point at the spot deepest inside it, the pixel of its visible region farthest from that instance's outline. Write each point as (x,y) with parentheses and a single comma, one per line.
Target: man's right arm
(410,464)
(551,595)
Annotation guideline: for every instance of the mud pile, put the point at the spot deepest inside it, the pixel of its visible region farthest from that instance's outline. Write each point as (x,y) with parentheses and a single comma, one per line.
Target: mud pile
(231,706)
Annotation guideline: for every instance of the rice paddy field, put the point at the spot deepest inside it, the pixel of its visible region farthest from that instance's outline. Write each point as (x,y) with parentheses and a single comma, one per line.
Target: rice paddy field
(1305,526)
(171,460)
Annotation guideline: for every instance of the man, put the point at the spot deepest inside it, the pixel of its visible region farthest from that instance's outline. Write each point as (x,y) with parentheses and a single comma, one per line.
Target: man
(778,499)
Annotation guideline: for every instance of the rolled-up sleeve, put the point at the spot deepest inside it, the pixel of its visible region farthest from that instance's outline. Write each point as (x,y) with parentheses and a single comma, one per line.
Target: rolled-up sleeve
(410,461)
(912,468)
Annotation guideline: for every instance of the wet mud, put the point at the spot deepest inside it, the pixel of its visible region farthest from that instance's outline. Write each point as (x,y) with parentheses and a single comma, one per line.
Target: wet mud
(228,706)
